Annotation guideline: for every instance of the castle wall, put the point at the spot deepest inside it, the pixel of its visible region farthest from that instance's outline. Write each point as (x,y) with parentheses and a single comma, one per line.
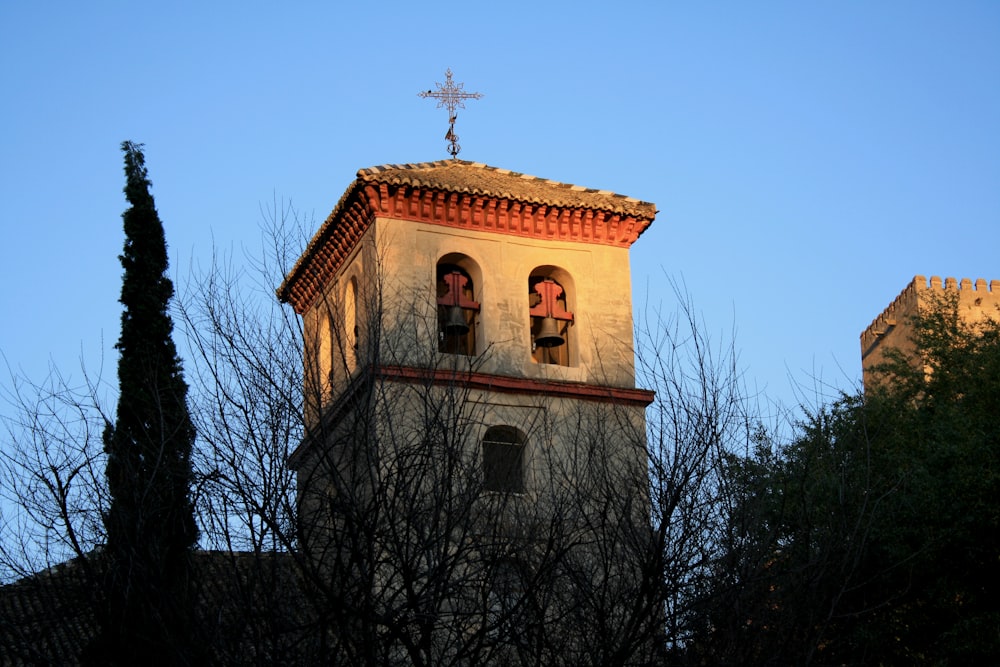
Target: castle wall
(892,329)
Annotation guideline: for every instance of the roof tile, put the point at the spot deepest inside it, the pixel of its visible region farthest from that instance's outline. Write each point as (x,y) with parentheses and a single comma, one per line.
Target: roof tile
(477,178)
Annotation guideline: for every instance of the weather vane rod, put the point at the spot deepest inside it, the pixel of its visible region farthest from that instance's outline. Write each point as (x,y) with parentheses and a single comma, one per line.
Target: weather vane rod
(452,96)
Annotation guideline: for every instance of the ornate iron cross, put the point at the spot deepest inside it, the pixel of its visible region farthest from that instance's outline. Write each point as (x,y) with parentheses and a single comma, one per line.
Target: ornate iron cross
(452,96)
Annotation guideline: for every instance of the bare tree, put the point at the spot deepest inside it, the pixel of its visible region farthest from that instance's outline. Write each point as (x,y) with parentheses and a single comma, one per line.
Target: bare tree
(52,497)
(385,542)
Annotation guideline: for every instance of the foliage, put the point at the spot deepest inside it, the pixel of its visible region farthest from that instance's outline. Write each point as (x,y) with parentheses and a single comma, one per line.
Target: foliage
(873,536)
(150,521)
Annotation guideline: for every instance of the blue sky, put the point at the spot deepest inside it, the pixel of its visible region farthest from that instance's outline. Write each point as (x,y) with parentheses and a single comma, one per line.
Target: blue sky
(807,158)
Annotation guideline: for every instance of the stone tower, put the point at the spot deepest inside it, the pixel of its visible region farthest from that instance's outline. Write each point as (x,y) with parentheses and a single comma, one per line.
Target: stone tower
(892,329)
(472,419)
(474,325)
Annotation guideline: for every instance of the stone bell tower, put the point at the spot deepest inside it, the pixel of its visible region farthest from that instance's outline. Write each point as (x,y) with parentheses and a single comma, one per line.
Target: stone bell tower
(459,276)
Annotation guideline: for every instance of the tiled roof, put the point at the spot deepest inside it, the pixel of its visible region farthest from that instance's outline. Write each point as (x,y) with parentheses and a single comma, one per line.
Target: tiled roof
(48,618)
(477,178)
(463,194)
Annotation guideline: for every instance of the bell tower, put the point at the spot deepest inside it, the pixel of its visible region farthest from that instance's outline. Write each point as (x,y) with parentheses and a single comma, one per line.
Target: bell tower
(506,295)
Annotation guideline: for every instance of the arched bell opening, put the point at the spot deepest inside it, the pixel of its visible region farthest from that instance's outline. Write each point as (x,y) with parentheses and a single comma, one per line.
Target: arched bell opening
(458,309)
(551,317)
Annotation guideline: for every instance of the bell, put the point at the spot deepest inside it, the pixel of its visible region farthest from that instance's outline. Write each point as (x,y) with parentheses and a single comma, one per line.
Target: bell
(548,334)
(454,323)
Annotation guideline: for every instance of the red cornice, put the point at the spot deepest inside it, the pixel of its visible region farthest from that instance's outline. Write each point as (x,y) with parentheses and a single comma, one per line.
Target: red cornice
(503,384)
(364,201)
(328,250)
(492,214)
(506,384)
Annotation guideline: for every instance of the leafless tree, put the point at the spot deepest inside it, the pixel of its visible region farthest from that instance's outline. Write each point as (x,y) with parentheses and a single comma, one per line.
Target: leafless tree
(383,543)
(52,496)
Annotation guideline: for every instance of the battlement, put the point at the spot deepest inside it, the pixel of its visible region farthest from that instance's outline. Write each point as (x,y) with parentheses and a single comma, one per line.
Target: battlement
(965,285)
(975,300)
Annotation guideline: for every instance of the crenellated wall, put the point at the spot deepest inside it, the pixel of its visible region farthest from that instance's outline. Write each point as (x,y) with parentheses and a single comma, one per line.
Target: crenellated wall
(976,300)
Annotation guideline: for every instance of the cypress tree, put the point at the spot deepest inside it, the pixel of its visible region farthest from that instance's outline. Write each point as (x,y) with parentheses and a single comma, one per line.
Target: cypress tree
(150,523)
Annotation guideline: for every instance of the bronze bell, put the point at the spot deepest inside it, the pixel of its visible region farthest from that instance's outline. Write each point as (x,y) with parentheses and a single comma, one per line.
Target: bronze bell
(548,334)
(454,323)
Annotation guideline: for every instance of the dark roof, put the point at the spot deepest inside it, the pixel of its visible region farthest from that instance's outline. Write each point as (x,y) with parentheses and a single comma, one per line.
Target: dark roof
(251,608)
(46,618)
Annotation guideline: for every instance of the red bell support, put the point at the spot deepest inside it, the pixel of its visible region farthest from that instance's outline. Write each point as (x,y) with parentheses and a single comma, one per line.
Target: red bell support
(549,306)
(456,292)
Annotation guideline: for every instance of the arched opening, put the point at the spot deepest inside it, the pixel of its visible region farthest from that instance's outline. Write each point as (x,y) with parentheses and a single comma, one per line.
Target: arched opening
(324,355)
(351,325)
(551,317)
(458,310)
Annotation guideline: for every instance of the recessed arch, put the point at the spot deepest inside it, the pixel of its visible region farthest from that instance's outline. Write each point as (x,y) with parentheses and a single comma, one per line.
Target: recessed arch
(551,308)
(324,355)
(351,324)
(457,284)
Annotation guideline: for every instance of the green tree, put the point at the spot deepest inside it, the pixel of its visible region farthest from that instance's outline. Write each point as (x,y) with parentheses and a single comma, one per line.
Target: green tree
(873,537)
(947,398)
(150,523)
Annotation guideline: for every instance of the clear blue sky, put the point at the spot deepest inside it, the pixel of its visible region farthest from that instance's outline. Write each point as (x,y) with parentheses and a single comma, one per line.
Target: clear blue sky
(807,158)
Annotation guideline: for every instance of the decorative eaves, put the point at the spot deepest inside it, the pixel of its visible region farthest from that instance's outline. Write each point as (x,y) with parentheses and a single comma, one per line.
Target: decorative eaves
(468,195)
(476,178)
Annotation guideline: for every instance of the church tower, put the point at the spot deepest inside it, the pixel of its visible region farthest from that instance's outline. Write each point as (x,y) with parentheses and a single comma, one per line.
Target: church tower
(519,284)
(469,367)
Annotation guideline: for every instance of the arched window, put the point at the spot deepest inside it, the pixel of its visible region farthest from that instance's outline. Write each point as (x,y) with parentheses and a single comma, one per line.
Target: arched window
(351,325)
(503,460)
(457,309)
(324,363)
(550,319)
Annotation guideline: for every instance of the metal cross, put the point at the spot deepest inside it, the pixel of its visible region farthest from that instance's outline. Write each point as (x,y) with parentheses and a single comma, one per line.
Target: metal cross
(451,96)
